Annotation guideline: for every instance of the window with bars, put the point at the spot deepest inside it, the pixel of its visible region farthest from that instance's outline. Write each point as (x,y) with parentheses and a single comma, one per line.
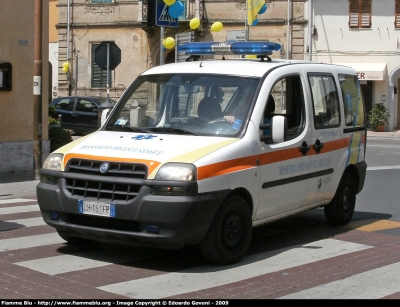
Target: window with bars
(397,14)
(360,14)
(99,76)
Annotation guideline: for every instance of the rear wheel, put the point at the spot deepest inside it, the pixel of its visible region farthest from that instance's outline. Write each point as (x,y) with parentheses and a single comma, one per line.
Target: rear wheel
(229,236)
(340,210)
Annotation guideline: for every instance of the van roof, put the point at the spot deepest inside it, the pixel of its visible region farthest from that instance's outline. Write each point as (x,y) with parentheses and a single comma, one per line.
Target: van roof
(229,66)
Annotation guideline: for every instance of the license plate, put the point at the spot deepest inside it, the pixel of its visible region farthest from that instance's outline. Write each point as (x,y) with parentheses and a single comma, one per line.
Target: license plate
(96,208)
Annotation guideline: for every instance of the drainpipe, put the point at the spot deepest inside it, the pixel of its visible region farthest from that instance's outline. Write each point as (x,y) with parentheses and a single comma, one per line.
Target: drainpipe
(391,101)
(310,17)
(289,33)
(37,89)
(68,43)
(197,9)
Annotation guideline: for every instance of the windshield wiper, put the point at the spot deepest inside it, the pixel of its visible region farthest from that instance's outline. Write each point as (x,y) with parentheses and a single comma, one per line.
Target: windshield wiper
(170,130)
(127,128)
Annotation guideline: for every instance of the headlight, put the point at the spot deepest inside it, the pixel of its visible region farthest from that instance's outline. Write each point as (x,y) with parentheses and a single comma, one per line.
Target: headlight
(177,172)
(53,162)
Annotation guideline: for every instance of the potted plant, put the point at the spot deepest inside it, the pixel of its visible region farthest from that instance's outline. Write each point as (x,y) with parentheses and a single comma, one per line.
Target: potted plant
(378,117)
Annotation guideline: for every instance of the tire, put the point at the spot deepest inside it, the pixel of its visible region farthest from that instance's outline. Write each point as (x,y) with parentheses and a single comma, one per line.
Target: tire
(228,238)
(340,210)
(73,240)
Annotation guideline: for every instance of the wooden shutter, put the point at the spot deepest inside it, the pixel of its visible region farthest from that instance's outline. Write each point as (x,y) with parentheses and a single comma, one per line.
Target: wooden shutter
(360,13)
(365,14)
(397,15)
(99,76)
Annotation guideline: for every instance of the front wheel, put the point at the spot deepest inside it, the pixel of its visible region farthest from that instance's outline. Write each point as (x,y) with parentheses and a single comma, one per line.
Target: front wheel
(229,235)
(340,210)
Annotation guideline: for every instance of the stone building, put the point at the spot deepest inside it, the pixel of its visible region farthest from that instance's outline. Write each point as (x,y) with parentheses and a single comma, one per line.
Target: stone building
(84,24)
(21,125)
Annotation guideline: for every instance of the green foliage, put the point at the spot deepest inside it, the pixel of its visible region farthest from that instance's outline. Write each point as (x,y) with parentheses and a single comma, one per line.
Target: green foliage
(59,137)
(378,115)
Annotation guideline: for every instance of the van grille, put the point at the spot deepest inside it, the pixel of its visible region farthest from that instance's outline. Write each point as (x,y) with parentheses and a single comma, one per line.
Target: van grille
(121,182)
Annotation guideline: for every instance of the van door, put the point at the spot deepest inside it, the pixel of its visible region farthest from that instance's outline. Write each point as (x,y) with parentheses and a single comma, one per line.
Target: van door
(328,145)
(284,167)
(337,132)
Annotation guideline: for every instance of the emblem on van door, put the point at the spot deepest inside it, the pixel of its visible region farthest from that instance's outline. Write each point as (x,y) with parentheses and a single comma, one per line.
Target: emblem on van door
(104,167)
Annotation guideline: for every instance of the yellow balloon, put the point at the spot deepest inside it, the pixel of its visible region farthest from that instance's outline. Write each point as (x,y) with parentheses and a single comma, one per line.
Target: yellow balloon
(169,43)
(216,26)
(194,23)
(169,2)
(65,67)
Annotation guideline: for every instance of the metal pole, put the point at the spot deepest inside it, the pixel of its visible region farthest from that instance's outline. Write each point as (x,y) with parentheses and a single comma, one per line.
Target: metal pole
(161,45)
(76,72)
(108,71)
(37,89)
(245,23)
(289,33)
(310,9)
(68,43)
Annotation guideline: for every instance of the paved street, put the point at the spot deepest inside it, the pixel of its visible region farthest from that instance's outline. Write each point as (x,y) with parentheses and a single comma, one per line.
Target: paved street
(296,258)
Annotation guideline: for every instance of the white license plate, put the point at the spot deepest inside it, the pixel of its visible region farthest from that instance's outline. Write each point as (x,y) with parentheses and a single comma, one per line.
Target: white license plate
(96,208)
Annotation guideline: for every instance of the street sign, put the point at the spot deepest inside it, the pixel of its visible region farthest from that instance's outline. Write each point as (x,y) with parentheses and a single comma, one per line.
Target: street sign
(236,35)
(101,53)
(163,19)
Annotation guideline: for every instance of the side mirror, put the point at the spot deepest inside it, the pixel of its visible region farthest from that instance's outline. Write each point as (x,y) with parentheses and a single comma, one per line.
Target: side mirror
(104,115)
(278,129)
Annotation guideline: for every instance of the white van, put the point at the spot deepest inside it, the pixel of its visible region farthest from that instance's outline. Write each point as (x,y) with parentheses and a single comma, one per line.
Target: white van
(201,152)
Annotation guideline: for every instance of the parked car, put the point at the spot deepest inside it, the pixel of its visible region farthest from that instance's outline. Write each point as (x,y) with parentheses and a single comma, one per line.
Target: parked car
(79,113)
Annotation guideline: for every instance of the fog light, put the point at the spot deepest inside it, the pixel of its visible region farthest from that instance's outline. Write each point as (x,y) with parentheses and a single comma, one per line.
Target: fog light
(49,179)
(174,191)
(54,216)
(152,229)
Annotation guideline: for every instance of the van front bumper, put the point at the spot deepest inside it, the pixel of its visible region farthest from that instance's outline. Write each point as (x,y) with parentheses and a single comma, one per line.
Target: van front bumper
(148,220)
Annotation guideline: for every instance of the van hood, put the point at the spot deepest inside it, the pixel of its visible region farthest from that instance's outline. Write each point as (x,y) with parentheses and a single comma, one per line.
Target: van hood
(151,149)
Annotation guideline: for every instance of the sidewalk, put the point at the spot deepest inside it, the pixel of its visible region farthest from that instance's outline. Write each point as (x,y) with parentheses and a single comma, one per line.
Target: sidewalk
(20,184)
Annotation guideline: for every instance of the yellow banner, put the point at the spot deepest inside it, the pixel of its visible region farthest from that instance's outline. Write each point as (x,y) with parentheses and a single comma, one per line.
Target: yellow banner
(253,7)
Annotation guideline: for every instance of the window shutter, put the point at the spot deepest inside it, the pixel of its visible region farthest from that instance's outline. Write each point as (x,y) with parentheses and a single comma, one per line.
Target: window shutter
(397,20)
(366,14)
(353,15)
(99,76)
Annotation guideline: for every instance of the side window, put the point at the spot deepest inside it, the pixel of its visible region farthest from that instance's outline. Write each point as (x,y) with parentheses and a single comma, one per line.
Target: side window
(65,104)
(85,105)
(287,99)
(360,14)
(325,101)
(352,100)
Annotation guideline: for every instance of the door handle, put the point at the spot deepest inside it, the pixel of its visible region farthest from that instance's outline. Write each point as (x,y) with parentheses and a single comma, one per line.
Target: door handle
(74,115)
(304,148)
(318,146)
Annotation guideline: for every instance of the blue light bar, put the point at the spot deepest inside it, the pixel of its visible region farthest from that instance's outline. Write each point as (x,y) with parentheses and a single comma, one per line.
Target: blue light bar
(229,47)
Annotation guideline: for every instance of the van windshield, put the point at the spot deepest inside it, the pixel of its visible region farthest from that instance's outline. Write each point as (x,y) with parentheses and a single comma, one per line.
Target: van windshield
(192,104)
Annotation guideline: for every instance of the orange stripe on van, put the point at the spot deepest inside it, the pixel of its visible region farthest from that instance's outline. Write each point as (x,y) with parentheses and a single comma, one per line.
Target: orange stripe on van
(150,164)
(226,167)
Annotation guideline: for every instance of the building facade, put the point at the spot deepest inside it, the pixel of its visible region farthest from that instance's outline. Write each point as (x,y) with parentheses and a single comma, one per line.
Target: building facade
(84,24)
(17,113)
(363,34)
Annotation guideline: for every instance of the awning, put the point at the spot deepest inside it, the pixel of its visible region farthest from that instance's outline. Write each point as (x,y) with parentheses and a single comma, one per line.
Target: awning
(369,71)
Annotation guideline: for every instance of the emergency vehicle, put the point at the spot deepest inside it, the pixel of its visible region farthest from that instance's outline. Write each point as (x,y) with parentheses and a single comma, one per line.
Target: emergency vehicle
(203,151)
